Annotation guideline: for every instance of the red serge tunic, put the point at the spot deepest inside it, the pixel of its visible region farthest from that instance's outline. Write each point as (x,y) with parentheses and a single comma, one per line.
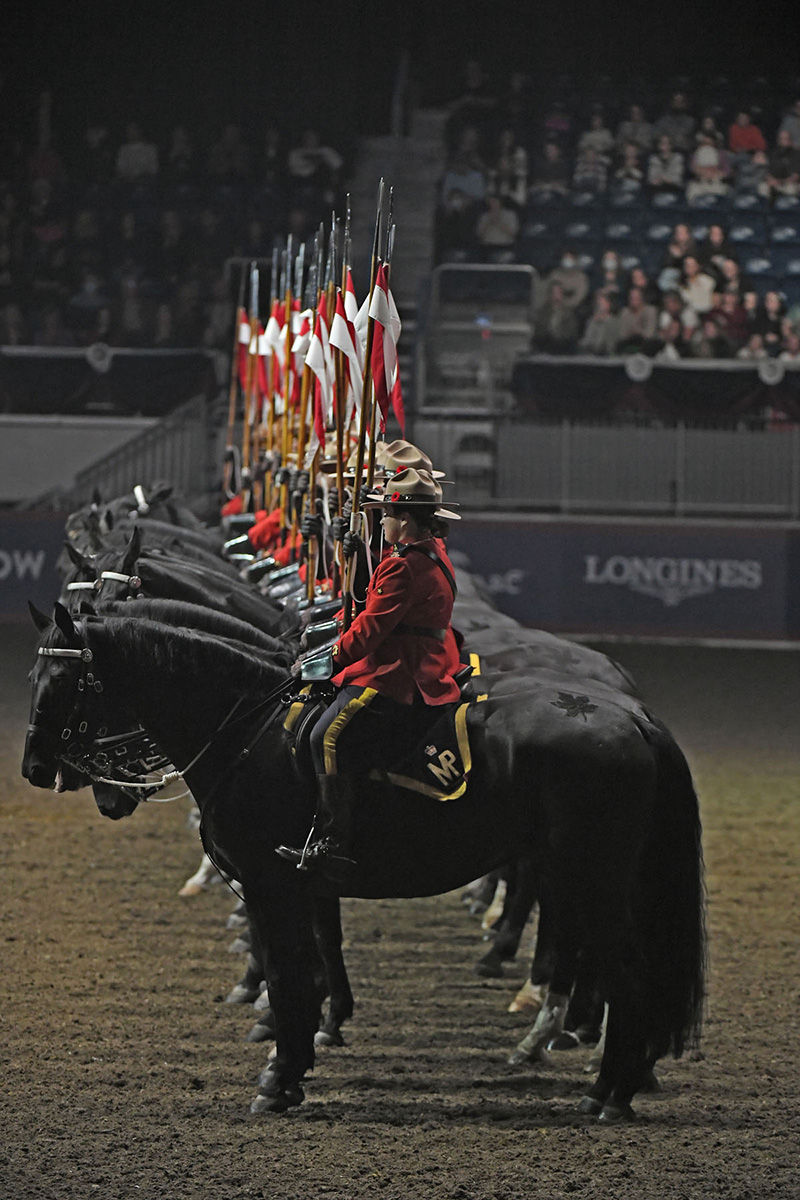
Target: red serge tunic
(406,590)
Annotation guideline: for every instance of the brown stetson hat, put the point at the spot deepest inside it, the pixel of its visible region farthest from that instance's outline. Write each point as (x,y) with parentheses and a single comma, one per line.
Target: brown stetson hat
(410,487)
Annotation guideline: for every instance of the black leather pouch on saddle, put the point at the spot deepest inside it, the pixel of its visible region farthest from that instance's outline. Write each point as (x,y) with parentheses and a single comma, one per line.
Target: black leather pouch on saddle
(305,709)
(319,634)
(321,610)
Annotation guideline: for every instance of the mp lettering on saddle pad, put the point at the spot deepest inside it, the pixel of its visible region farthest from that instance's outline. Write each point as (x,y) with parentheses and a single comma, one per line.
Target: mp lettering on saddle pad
(446,768)
(672,580)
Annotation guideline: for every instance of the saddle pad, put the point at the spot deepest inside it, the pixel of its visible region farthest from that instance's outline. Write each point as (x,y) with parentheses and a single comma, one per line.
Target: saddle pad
(439,765)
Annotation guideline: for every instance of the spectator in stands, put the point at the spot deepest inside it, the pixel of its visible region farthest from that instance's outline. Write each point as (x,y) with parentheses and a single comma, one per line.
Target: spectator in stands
(86,302)
(708,128)
(629,174)
(218,315)
(229,157)
(709,168)
(314,171)
(597,137)
(164,333)
(697,287)
(647,286)
(790,124)
(98,157)
(752,174)
(45,219)
(497,231)
(767,321)
(171,249)
(130,311)
(12,328)
(475,105)
(743,136)
(733,281)
(783,166)
(671,341)
(713,250)
(507,175)
(132,242)
(44,162)
(790,351)
(637,325)
(731,318)
(557,123)
(86,248)
(636,131)
(665,168)
(680,244)
(462,192)
(673,308)
(136,158)
(179,164)
(571,278)
(602,329)
(754,349)
(677,124)
(556,325)
(708,342)
(591,172)
(550,172)
(53,331)
(514,108)
(612,280)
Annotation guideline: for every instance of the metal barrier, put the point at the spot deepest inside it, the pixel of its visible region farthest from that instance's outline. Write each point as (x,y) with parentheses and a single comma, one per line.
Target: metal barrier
(179,450)
(569,467)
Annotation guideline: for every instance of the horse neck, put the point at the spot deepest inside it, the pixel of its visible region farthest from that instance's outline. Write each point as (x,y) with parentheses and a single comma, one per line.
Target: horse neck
(180,686)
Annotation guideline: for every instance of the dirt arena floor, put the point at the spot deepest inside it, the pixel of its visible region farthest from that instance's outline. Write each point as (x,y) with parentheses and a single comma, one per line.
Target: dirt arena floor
(124,1074)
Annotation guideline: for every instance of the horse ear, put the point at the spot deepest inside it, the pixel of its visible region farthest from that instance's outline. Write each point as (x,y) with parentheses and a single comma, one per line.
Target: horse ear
(161,492)
(87,609)
(132,551)
(96,500)
(79,560)
(39,619)
(64,621)
(108,520)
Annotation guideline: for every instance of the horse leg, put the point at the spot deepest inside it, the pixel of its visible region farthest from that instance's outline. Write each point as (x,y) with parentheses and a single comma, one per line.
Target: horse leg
(560,943)
(205,875)
(520,899)
(531,995)
(328,934)
(281,922)
(248,988)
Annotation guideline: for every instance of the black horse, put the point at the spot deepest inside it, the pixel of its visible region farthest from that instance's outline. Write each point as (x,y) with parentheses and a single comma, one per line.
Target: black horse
(599,790)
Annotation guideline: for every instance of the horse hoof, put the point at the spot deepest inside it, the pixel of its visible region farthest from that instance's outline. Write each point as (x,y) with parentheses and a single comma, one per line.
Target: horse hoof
(615,1114)
(487,970)
(564,1041)
(241,995)
(269,1104)
(260,1033)
(239,945)
(328,1037)
(236,921)
(477,908)
(590,1106)
(261,1003)
(192,889)
(650,1083)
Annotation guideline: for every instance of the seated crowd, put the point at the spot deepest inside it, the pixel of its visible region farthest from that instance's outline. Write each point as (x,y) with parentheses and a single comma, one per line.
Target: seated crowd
(627,220)
(125,241)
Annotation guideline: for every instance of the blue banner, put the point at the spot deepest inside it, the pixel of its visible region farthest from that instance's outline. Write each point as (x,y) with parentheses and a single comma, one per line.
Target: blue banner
(29,547)
(637,578)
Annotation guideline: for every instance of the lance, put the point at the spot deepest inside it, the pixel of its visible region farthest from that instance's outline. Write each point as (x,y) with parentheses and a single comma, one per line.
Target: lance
(287,390)
(252,374)
(323,285)
(386,259)
(229,471)
(365,413)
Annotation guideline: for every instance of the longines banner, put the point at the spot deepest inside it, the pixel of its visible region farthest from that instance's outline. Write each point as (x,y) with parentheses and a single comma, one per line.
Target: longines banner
(29,547)
(638,578)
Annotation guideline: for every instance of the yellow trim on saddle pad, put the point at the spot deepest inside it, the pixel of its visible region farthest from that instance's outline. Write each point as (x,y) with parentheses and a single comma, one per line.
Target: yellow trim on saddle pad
(440,769)
(295,710)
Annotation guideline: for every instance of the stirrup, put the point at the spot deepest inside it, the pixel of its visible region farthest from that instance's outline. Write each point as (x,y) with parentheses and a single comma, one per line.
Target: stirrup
(316,855)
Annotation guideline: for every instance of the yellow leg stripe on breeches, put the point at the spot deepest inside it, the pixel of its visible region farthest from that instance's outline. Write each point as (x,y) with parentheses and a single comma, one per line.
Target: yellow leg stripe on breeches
(340,722)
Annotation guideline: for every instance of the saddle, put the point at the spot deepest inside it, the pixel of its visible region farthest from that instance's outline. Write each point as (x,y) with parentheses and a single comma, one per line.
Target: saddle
(436,765)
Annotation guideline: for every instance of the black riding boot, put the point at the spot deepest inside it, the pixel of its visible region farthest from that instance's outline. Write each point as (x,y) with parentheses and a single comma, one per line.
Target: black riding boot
(329,852)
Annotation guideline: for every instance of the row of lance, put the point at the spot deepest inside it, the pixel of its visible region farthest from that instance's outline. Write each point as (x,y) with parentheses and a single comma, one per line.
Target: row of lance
(312,390)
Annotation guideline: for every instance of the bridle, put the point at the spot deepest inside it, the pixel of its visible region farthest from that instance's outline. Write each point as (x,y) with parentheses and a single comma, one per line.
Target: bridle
(133,755)
(132,581)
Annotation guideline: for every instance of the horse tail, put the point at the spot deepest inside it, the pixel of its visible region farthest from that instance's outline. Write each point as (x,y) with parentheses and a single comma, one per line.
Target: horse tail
(671,906)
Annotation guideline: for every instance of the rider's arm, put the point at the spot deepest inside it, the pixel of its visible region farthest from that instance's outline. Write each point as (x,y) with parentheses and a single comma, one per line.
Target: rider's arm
(388,599)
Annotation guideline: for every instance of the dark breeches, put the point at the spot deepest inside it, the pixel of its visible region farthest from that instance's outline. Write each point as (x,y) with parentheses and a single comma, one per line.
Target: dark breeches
(366,730)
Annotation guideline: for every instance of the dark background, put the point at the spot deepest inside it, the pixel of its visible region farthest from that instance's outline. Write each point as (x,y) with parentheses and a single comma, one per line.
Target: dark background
(334,65)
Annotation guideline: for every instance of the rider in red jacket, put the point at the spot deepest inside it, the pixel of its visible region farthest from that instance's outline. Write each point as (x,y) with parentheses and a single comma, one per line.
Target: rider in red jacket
(395,664)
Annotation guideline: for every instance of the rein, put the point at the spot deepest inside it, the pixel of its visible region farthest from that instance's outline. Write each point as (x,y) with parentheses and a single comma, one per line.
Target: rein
(135,749)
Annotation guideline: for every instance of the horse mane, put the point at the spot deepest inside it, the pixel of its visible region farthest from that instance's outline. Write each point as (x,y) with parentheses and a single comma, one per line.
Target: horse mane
(189,654)
(182,613)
